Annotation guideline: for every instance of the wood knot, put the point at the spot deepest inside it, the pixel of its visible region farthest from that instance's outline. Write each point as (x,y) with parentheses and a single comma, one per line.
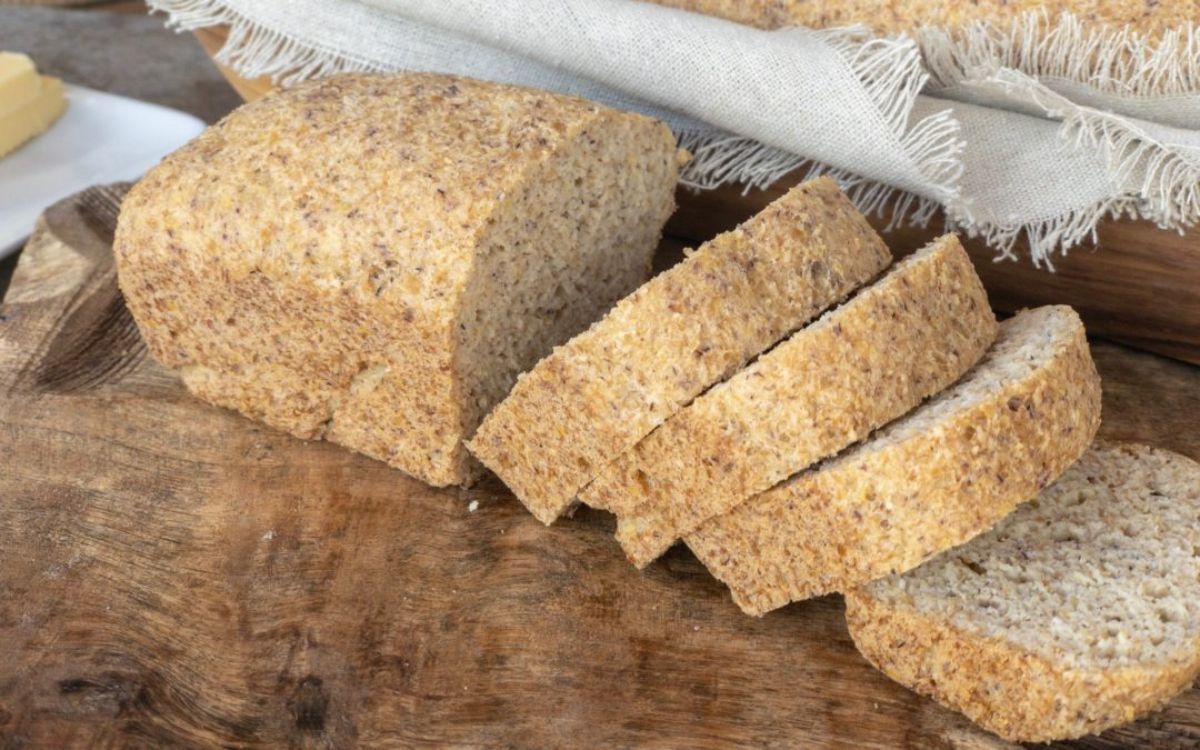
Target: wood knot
(109,693)
(309,704)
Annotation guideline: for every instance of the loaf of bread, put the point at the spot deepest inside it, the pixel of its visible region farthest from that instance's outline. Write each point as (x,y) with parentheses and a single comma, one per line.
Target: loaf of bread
(1078,612)
(689,327)
(895,343)
(1148,17)
(936,478)
(372,259)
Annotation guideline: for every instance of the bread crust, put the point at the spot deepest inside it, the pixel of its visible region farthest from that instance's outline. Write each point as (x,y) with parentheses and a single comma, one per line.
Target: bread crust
(1016,694)
(860,518)
(661,346)
(876,357)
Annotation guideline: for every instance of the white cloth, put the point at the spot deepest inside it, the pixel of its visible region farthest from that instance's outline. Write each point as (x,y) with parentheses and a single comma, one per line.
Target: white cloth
(1039,130)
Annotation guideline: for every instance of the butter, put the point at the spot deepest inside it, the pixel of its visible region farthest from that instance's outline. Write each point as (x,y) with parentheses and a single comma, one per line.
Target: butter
(29,103)
(19,81)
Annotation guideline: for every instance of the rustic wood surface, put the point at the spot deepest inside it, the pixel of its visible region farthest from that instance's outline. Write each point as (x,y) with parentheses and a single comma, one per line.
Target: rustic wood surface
(1140,285)
(172,575)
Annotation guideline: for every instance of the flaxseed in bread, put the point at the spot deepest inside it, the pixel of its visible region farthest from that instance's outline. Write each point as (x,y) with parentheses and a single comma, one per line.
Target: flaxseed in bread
(689,327)
(1078,612)
(372,259)
(895,343)
(936,478)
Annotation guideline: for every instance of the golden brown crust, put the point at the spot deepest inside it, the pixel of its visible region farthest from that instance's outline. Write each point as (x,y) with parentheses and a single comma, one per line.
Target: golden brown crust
(876,357)
(1151,17)
(1007,690)
(866,515)
(691,326)
(305,259)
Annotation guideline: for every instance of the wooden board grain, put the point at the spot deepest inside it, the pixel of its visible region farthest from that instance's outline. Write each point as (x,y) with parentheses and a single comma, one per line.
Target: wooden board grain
(173,575)
(1139,284)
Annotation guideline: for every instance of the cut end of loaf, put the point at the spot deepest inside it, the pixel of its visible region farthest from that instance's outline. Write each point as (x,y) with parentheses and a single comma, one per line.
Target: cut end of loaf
(1078,612)
(578,236)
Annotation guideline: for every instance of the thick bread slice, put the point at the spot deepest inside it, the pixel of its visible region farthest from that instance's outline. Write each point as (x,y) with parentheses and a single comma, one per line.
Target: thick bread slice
(372,259)
(945,473)
(877,356)
(691,326)
(1078,612)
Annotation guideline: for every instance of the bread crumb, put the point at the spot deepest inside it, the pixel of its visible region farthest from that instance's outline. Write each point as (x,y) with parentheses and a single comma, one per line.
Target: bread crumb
(474,506)
(269,535)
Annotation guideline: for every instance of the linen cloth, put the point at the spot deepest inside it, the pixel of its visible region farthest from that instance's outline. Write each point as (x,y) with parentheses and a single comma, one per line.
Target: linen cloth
(1038,130)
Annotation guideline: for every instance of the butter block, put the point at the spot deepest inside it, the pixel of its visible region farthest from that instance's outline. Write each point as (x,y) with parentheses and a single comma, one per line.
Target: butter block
(31,116)
(19,82)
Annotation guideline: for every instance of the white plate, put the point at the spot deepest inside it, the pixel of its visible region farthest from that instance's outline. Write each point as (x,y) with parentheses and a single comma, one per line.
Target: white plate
(99,138)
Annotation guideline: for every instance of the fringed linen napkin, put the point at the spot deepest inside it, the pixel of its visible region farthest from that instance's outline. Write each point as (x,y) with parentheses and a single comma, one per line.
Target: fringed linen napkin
(1038,127)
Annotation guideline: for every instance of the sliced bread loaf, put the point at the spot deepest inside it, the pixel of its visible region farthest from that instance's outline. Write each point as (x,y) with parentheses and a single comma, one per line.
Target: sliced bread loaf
(689,327)
(1078,612)
(1149,18)
(895,343)
(932,480)
(373,259)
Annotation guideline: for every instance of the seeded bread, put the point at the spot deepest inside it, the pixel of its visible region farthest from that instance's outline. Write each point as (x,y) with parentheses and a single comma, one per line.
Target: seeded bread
(373,258)
(693,325)
(1078,612)
(1150,17)
(942,475)
(895,343)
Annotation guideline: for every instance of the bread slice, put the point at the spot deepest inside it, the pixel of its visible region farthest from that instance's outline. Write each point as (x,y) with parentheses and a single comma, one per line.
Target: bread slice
(895,343)
(1078,612)
(932,480)
(689,327)
(373,259)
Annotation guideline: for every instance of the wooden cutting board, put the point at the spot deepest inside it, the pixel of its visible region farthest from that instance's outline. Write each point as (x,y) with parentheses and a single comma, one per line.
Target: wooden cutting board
(173,575)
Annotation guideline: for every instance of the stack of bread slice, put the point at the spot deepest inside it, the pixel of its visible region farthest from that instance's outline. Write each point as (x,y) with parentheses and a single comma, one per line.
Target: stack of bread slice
(946,472)
(808,424)
(692,326)
(863,364)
